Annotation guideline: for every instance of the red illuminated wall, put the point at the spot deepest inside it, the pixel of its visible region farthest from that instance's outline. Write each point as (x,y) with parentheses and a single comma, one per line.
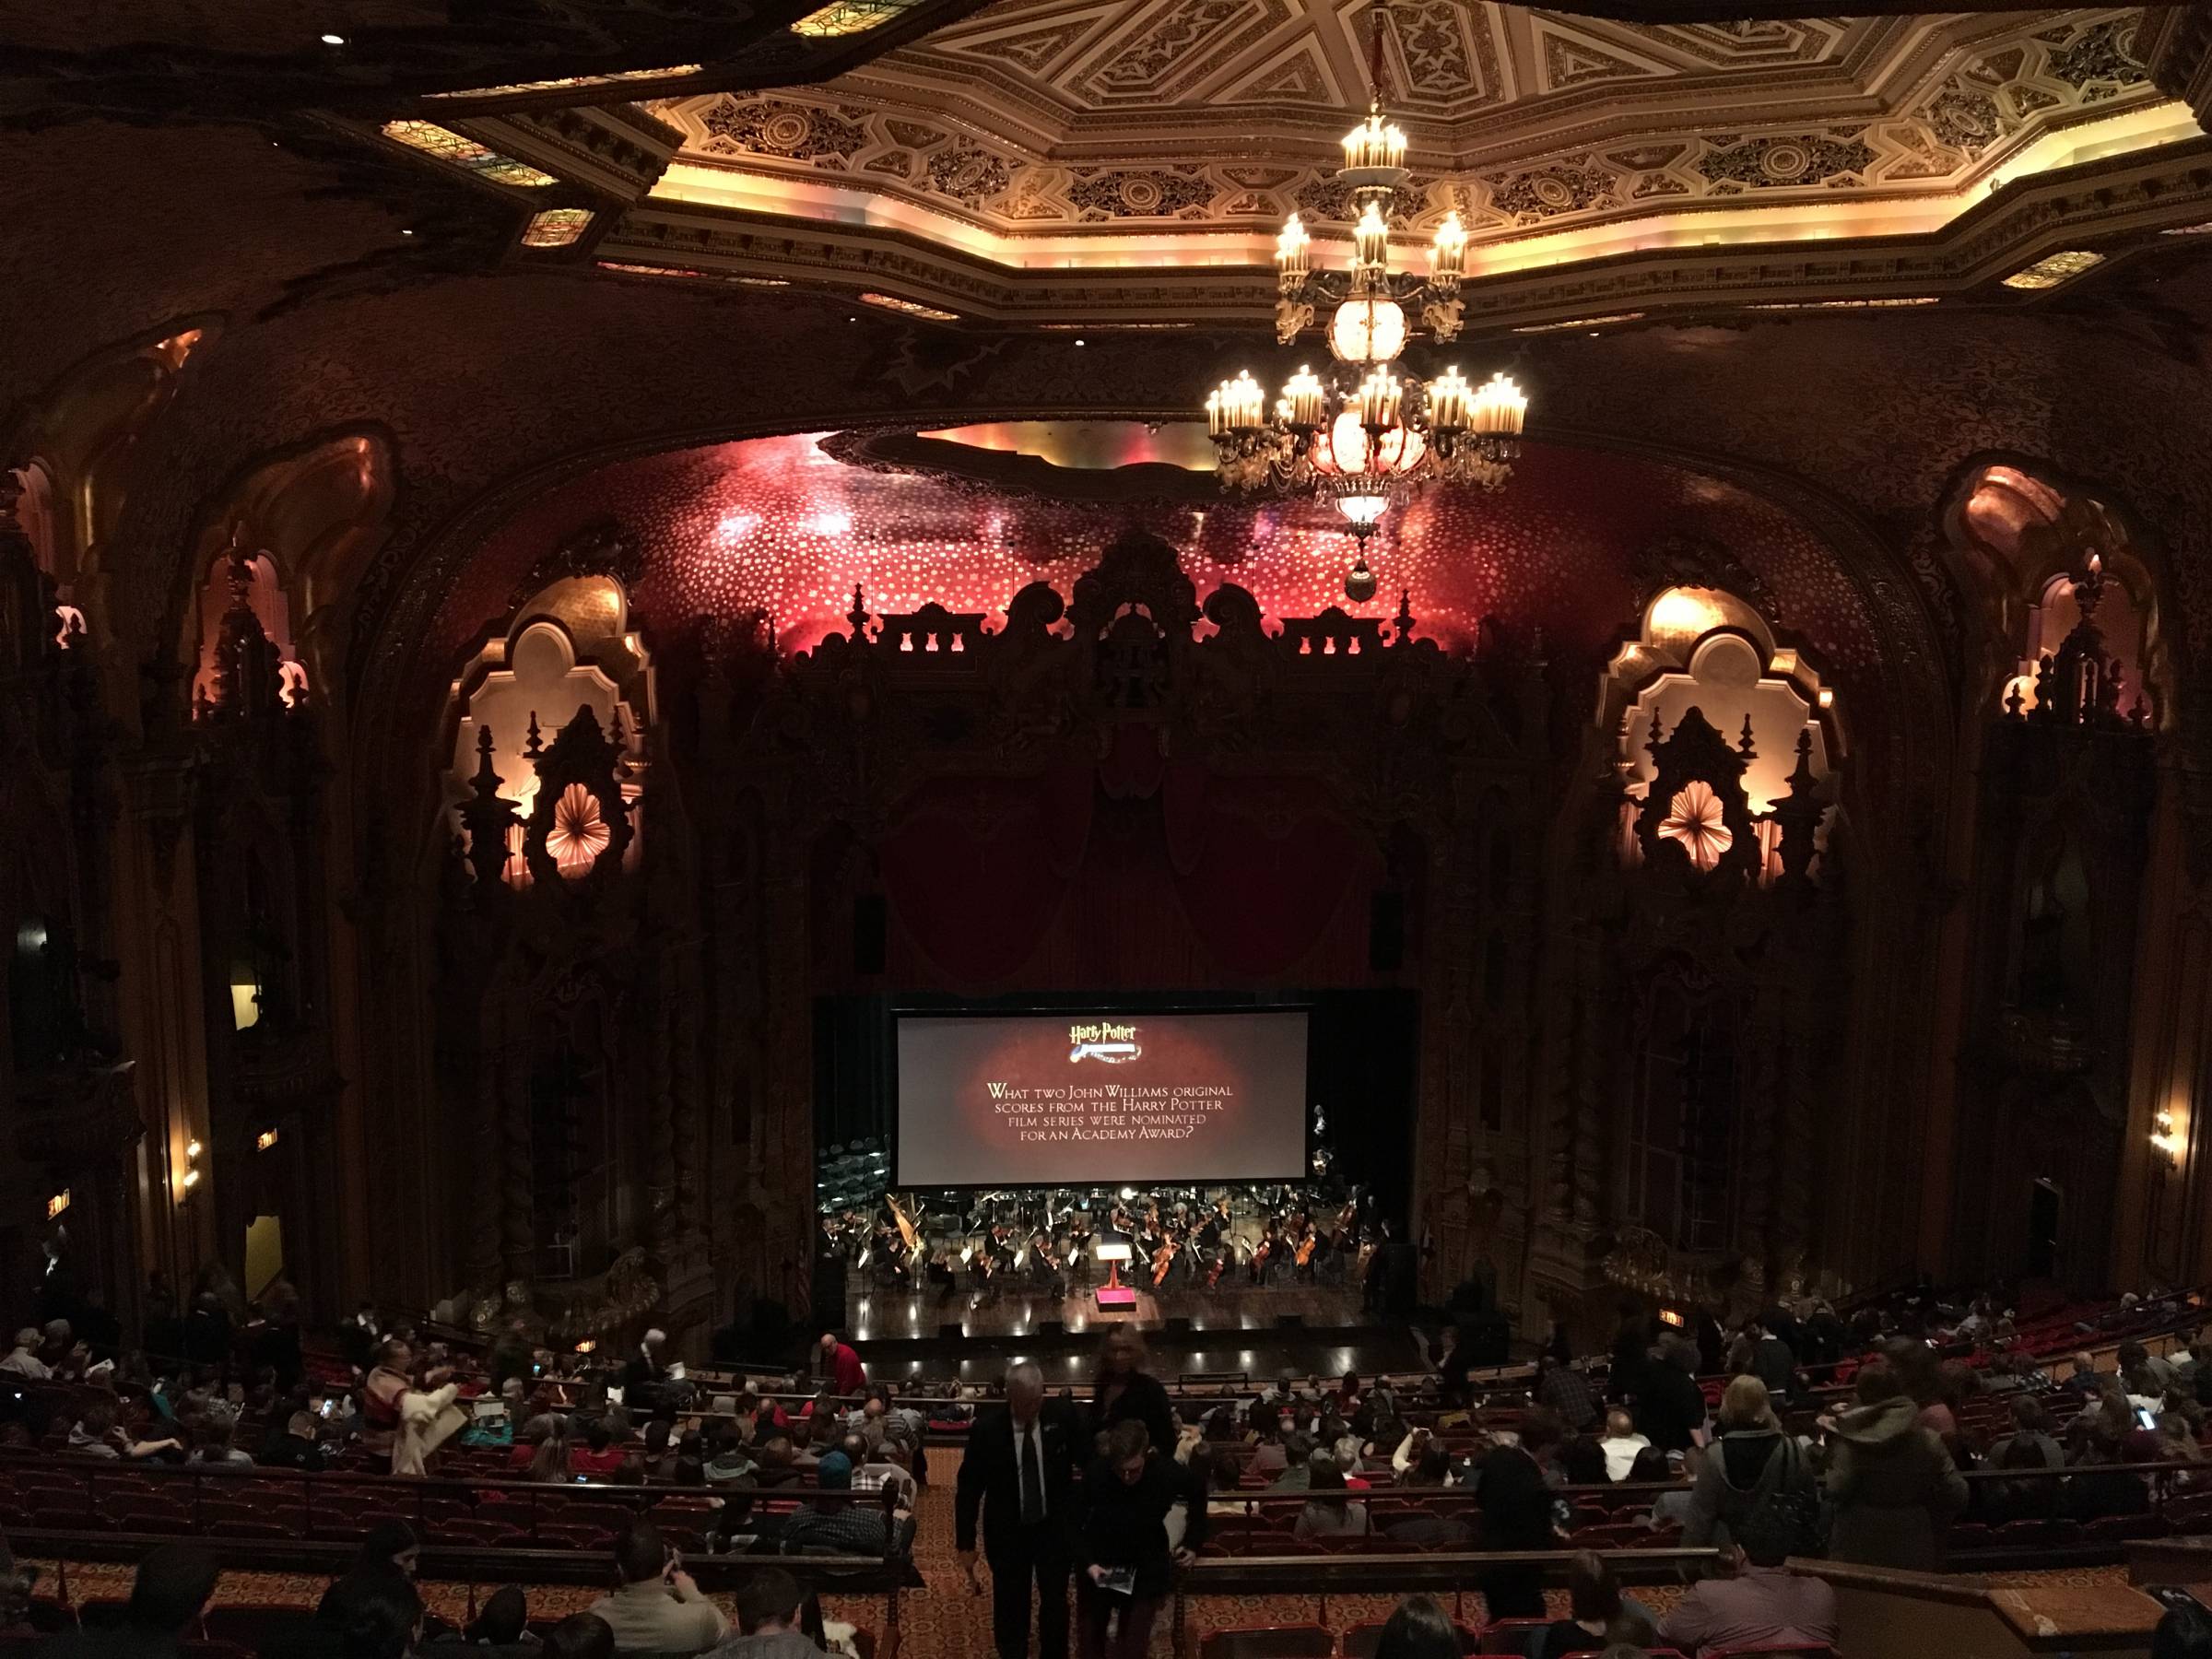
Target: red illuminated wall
(775,524)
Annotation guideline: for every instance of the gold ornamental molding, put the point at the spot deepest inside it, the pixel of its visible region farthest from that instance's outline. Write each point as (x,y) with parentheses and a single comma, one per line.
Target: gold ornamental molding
(2113,207)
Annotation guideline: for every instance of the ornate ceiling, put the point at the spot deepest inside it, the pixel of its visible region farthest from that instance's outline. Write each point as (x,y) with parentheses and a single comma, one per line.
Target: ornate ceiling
(1052,134)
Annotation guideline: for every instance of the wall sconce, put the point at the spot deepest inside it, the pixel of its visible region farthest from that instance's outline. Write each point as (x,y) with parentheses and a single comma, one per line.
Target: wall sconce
(586,1345)
(57,1204)
(2167,1139)
(265,1140)
(190,1178)
(245,998)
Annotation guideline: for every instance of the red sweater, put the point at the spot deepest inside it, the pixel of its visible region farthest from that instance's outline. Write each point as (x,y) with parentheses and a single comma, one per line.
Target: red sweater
(845,1368)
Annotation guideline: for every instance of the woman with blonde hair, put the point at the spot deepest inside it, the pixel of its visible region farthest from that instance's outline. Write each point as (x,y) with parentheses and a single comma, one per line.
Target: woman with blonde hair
(1752,1466)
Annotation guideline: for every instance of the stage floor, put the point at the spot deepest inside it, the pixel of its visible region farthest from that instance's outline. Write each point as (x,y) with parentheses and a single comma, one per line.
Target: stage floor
(873,1315)
(972,1338)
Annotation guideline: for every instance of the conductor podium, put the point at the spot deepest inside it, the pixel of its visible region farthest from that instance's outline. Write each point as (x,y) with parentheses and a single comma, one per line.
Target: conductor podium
(1114,1294)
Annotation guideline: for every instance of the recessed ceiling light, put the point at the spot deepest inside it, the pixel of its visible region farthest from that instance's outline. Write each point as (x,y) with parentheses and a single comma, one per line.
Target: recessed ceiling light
(1080,342)
(333,40)
(404,231)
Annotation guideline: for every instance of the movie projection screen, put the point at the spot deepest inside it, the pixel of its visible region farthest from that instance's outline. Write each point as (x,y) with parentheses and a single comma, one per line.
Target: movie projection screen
(1076,1100)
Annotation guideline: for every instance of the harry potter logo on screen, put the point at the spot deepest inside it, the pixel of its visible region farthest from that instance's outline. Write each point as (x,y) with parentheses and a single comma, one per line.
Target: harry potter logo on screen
(1102,1040)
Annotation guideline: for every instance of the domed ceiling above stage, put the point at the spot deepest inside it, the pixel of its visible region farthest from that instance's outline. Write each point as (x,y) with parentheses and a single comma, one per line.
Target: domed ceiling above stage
(1048,136)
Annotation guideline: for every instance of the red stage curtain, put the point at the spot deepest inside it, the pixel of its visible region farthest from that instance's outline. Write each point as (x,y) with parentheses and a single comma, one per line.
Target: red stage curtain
(978,870)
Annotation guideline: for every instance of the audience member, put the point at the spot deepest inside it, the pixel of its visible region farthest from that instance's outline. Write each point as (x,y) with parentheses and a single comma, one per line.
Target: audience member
(846,1526)
(1890,1479)
(1670,1407)
(659,1609)
(1752,1468)
(97,1435)
(581,1636)
(1124,1392)
(1122,1546)
(769,1607)
(1567,1392)
(1621,1444)
(1419,1628)
(1762,1603)
(1597,1615)
(1325,1517)
(212,1443)
(2185,1632)
(1515,1502)
(170,1587)
(502,1625)
(836,1362)
(23,1359)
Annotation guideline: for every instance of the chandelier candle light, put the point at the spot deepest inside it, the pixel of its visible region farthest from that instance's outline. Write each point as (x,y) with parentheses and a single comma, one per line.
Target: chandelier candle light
(1364,431)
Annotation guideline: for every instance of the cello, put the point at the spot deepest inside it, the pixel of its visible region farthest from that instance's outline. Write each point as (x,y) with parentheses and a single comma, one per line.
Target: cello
(1162,1259)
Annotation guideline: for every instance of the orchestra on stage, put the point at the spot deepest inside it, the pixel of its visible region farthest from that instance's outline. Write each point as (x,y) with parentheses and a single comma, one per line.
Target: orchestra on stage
(1045,1241)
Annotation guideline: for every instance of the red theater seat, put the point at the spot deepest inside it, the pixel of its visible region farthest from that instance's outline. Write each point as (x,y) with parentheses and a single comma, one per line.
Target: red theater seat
(1268,1641)
(1513,1636)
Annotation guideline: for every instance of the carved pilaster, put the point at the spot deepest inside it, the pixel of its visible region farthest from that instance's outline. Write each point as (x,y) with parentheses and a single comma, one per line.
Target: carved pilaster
(518,1220)
(1596,1036)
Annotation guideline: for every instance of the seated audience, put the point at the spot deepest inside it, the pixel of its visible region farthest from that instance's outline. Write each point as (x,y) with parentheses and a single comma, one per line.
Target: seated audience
(659,1609)
(97,1435)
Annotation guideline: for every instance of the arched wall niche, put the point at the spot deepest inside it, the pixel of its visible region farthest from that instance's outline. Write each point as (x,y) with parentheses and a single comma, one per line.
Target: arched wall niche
(1705,648)
(569,647)
(310,520)
(72,453)
(2025,537)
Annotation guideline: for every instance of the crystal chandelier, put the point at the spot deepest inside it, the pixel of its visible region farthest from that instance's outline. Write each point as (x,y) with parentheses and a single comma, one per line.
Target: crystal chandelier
(1364,431)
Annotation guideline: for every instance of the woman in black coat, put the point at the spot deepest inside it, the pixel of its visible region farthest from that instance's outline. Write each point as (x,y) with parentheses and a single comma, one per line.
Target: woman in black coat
(1126,1394)
(1123,1561)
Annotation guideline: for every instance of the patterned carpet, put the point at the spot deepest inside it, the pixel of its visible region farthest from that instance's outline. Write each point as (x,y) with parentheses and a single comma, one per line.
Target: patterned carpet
(944,1620)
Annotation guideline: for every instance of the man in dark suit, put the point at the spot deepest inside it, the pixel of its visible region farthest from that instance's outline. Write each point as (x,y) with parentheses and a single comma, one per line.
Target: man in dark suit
(1017,1471)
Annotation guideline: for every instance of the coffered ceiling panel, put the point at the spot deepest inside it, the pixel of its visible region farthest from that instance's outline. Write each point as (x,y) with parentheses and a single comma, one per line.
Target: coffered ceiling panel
(1171,118)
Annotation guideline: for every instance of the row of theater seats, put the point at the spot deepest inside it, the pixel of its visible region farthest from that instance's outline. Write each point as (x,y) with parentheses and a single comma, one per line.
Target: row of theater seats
(242,1630)
(1514,1636)
(62,1498)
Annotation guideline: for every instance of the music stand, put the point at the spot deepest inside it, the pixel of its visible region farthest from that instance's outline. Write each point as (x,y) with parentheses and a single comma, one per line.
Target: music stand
(1114,1293)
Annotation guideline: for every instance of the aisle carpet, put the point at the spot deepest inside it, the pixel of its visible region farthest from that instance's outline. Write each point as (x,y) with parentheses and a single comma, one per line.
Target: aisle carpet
(943,1620)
